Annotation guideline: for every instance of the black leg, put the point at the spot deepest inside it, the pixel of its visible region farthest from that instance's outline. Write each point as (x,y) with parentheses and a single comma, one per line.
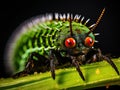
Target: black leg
(52,63)
(92,59)
(111,63)
(29,64)
(52,68)
(76,63)
(100,57)
(99,54)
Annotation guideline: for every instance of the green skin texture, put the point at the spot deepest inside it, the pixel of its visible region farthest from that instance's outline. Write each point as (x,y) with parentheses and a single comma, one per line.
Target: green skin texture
(44,36)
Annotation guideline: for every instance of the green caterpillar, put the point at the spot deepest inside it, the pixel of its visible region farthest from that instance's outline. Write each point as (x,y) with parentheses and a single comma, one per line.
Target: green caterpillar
(53,39)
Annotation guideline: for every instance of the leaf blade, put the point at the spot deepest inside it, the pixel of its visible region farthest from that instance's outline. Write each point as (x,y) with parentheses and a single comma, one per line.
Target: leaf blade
(96,75)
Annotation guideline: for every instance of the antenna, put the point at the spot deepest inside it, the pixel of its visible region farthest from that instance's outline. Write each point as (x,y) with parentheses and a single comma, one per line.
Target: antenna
(71,32)
(97,22)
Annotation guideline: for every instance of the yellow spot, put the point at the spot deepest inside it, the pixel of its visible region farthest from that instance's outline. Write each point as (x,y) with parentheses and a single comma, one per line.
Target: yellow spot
(97,71)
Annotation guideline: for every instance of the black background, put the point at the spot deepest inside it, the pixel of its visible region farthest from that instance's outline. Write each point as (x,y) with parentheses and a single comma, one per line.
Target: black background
(12,14)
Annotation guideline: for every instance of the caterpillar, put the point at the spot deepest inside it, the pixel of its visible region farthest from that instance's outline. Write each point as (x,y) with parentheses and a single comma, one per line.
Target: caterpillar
(47,41)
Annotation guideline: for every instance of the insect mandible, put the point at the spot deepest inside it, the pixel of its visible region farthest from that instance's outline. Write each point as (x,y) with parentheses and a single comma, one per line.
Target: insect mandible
(52,40)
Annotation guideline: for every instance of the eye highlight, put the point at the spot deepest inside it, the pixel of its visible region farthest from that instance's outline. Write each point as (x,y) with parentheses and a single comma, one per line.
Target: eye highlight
(70,42)
(88,42)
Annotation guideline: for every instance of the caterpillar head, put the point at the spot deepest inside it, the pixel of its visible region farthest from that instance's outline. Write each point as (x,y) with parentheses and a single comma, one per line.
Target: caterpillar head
(77,38)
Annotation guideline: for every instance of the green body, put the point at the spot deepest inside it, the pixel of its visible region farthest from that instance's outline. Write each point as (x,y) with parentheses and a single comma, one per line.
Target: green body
(42,37)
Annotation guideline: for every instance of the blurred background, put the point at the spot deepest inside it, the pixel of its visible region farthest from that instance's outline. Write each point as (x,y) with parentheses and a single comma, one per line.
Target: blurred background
(13,13)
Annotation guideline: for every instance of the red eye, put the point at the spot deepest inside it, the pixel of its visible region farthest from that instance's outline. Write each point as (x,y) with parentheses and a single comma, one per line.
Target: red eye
(89,42)
(70,42)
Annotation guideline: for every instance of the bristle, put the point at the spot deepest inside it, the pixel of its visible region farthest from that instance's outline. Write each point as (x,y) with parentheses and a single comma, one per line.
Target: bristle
(68,16)
(71,16)
(96,34)
(64,16)
(29,25)
(86,21)
(96,41)
(36,21)
(61,16)
(77,17)
(82,19)
(49,17)
(43,19)
(56,16)
(91,26)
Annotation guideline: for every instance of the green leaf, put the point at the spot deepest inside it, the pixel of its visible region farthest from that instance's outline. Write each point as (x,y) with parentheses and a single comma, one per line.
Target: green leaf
(96,75)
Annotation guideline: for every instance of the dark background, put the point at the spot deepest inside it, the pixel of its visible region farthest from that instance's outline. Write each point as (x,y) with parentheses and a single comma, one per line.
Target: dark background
(12,14)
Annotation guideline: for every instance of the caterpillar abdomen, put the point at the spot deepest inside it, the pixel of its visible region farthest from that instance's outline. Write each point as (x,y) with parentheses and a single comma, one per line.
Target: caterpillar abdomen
(35,35)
